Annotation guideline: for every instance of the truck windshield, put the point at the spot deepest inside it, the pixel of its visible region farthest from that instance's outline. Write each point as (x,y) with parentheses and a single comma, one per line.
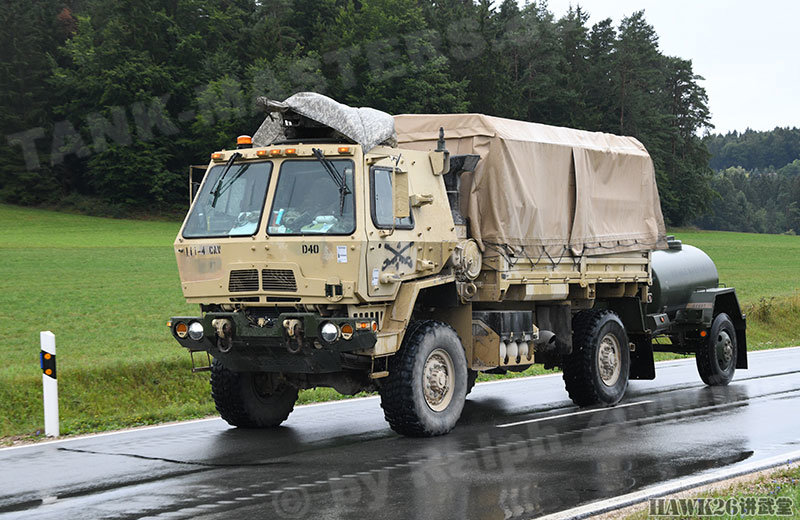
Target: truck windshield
(230,204)
(309,202)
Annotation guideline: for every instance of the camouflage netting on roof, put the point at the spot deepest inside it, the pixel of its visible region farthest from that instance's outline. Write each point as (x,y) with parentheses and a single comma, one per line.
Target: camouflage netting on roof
(365,126)
(542,190)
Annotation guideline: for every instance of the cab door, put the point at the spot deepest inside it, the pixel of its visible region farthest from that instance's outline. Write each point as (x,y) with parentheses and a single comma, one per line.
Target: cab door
(393,246)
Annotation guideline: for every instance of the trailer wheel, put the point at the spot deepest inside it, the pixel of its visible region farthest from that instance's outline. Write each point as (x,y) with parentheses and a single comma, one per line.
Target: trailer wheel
(598,368)
(716,359)
(250,399)
(424,394)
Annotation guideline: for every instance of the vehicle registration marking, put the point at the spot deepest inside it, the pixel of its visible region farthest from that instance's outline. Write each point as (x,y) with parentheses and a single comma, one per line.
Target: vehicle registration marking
(203,250)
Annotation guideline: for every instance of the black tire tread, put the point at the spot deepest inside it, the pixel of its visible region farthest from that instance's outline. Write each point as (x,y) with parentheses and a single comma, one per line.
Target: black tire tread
(706,365)
(397,402)
(578,366)
(226,390)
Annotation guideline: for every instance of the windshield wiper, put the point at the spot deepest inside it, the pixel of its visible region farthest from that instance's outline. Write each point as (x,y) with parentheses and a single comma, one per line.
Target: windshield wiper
(336,177)
(218,190)
(224,188)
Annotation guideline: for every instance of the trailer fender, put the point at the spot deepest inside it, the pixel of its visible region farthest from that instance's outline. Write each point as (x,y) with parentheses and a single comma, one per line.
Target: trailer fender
(704,305)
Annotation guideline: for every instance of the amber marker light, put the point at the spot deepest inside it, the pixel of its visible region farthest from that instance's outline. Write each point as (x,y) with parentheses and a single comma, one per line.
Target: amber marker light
(291,151)
(262,153)
(347,331)
(344,150)
(275,152)
(181,329)
(703,334)
(218,156)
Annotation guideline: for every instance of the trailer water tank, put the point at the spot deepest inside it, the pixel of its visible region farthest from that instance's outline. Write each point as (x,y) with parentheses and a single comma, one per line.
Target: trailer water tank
(677,272)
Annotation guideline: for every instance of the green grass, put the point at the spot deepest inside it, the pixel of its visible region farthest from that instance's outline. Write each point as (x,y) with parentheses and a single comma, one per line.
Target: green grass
(783,483)
(105,287)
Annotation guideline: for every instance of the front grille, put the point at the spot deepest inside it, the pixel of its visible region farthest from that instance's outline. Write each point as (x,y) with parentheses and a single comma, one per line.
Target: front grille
(243,280)
(278,280)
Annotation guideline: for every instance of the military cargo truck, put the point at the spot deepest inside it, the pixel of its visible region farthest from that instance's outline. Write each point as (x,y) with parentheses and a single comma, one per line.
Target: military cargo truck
(341,247)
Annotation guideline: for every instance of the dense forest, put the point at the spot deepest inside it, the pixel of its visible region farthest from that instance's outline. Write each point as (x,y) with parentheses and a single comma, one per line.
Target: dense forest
(757,181)
(104,103)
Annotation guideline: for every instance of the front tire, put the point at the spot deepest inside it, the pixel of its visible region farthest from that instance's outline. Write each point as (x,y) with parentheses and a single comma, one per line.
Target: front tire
(598,368)
(716,359)
(424,394)
(251,399)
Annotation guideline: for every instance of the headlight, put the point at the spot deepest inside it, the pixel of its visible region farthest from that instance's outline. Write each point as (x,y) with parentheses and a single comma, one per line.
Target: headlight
(196,331)
(329,332)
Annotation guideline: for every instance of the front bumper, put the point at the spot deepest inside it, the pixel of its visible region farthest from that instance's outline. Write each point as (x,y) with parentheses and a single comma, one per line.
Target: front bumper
(265,345)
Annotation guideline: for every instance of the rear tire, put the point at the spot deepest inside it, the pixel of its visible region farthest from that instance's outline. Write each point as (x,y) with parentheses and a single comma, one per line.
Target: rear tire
(424,394)
(598,368)
(716,358)
(251,399)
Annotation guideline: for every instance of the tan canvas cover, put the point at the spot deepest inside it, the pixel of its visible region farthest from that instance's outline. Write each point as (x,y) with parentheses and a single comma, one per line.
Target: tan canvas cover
(551,190)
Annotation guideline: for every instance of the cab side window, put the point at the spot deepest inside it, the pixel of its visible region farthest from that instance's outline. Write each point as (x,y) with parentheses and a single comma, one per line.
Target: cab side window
(381,192)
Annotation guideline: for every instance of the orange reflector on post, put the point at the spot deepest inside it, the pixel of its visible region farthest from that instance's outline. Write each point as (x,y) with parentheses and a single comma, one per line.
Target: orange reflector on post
(244,139)
(344,149)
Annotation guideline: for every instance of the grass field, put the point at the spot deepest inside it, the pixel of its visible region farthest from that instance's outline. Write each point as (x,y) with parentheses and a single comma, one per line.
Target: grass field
(105,287)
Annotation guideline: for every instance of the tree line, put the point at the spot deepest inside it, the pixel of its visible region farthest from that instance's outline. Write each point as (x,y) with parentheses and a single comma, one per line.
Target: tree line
(757,181)
(105,103)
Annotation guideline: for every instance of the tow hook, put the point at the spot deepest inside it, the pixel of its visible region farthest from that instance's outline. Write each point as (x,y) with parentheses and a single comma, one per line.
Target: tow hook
(294,329)
(224,330)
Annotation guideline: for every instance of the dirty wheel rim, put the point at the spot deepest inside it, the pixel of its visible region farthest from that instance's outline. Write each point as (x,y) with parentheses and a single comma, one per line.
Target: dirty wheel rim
(438,380)
(608,360)
(724,350)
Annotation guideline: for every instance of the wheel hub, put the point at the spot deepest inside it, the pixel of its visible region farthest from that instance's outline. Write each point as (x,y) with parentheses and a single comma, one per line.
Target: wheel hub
(438,380)
(724,348)
(608,360)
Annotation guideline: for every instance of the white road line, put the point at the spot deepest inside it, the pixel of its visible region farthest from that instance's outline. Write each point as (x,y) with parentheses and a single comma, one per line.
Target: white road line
(671,487)
(582,412)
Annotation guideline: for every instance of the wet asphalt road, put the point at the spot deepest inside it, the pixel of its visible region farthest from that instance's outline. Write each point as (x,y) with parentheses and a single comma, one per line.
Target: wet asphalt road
(520,451)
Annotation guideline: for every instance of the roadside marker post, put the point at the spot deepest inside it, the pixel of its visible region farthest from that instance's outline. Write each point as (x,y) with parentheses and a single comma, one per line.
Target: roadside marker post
(47,360)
